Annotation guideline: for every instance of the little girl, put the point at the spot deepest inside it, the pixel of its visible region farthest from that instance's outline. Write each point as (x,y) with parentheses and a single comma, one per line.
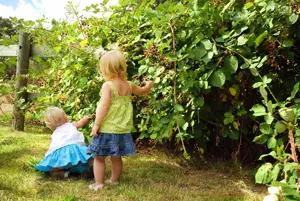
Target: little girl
(114,118)
(67,151)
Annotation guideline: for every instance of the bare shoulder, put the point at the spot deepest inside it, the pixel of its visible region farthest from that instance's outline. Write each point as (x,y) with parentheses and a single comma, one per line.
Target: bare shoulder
(106,89)
(105,86)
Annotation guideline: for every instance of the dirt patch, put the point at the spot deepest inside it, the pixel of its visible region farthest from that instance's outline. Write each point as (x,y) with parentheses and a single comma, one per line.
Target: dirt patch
(6,103)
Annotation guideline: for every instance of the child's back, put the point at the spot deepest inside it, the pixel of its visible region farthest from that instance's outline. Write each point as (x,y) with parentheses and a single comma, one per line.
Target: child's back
(120,113)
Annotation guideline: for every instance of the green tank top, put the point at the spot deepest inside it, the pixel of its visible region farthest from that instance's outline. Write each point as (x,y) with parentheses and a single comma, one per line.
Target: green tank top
(119,118)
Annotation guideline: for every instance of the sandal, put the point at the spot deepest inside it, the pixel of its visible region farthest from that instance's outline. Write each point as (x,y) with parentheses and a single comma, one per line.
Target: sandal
(96,187)
(109,181)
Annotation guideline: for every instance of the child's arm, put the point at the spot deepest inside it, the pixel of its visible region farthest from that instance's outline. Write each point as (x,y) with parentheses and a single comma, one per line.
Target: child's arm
(136,90)
(102,108)
(83,121)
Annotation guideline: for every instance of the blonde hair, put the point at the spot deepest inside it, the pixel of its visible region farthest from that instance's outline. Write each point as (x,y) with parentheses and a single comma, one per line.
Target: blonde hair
(113,64)
(54,117)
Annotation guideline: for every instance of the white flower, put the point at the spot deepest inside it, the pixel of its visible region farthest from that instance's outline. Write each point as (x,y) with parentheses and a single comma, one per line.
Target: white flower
(273,190)
(98,52)
(271,198)
(81,36)
(113,46)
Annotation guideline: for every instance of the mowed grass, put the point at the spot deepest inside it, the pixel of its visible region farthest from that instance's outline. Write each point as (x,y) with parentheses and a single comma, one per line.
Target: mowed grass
(146,176)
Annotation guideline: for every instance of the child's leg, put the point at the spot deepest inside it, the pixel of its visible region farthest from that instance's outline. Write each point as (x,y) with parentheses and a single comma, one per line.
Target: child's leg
(57,172)
(116,168)
(91,162)
(99,169)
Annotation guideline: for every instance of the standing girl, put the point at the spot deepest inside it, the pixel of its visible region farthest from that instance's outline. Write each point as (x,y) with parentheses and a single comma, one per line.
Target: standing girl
(114,118)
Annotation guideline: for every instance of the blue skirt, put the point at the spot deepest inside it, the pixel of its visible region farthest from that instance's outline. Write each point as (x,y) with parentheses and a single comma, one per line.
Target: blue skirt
(71,157)
(107,144)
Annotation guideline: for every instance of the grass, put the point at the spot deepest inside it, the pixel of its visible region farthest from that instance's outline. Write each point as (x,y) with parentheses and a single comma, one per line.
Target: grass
(146,176)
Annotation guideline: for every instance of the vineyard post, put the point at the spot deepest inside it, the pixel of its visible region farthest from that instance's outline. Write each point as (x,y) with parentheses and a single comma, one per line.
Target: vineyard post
(21,80)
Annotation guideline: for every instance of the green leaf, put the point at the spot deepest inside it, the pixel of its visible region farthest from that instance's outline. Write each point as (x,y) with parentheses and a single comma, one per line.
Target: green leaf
(263,175)
(293,18)
(248,5)
(264,94)
(265,128)
(254,71)
(242,40)
(208,57)
(199,52)
(153,136)
(186,156)
(258,110)
(83,81)
(185,126)
(227,6)
(272,143)
(57,49)
(276,171)
(218,78)
(257,84)
(270,6)
(234,135)
(207,44)
(241,112)
(288,43)
(260,38)
(295,90)
(232,91)
(83,43)
(231,64)
(143,69)
(179,108)
(229,118)
(200,102)
(269,107)
(287,114)
(280,126)
(269,118)
(296,109)
(215,50)
(265,79)
(272,153)
(244,66)
(261,139)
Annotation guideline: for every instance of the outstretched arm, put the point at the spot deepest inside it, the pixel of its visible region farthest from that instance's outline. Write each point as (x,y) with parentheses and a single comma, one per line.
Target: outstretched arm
(102,108)
(83,121)
(136,90)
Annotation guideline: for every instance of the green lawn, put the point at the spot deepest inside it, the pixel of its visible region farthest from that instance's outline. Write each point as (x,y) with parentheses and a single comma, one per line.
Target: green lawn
(146,176)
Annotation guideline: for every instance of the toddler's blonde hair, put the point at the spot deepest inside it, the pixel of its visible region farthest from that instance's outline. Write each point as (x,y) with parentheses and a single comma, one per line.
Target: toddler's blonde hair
(54,117)
(113,64)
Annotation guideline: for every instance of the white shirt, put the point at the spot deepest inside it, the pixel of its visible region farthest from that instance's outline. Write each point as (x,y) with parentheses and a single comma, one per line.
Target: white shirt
(63,135)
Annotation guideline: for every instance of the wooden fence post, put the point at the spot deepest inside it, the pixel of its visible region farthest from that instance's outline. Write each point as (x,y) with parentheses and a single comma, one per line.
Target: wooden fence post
(21,80)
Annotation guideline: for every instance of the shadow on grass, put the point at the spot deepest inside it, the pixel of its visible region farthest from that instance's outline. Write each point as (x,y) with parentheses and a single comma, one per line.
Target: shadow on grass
(10,157)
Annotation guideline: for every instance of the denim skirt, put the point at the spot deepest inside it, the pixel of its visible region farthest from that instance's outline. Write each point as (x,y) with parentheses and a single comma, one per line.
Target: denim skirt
(109,144)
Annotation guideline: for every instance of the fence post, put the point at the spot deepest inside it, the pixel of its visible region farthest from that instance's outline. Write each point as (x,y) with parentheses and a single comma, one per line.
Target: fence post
(21,80)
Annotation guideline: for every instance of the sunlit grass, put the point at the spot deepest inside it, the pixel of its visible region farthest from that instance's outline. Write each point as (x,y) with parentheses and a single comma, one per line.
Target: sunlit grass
(146,176)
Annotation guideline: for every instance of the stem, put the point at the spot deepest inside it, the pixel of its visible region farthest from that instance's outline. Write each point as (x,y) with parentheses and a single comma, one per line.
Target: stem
(174,83)
(293,147)
(210,122)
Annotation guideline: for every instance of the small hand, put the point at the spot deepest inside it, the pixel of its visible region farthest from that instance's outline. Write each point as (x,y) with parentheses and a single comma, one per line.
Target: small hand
(90,116)
(149,84)
(95,130)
